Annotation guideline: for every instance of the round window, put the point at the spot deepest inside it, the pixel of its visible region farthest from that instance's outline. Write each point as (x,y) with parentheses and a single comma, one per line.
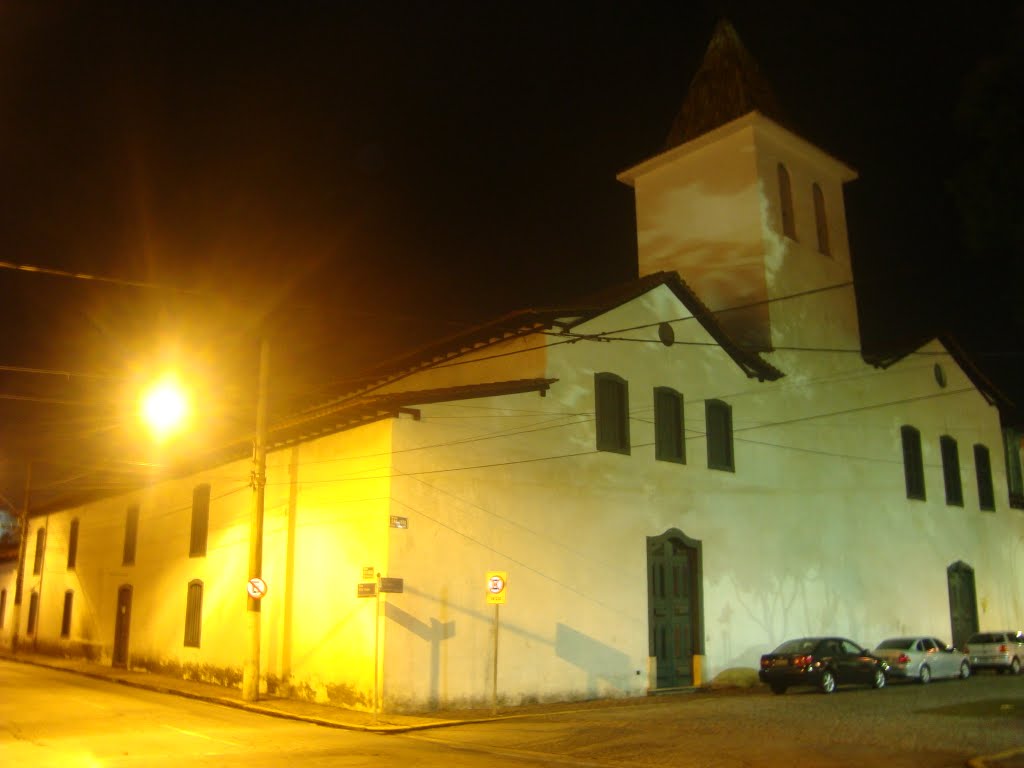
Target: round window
(666,334)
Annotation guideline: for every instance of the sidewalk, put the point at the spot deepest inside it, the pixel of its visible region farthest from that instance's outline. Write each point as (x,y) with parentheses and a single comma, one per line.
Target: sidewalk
(319,714)
(336,717)
(293,709)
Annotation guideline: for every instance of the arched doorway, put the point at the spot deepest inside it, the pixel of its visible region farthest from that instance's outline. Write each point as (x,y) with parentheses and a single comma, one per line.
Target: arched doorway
(122,626)
(675,608)
(963,602)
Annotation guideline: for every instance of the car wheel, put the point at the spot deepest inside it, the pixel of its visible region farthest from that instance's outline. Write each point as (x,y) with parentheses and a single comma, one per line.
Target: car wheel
(778,689)
(828,682)
(925,675)
(965,670)
(1015,666)
(879,681)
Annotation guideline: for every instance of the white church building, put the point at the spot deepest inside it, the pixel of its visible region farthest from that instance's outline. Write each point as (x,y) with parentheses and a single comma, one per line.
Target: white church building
(672,477)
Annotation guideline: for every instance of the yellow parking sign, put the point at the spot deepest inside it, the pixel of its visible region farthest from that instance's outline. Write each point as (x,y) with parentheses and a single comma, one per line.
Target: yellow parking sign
(497,587)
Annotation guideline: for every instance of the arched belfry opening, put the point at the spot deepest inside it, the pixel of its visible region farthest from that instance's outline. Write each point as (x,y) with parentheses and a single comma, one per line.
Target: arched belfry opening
(675,607)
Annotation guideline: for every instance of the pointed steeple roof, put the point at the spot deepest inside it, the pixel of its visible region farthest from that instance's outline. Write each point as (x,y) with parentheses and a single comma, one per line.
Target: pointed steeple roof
(727,85)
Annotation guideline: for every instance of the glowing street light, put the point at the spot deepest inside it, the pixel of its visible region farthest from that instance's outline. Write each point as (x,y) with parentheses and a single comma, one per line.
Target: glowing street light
(164,407)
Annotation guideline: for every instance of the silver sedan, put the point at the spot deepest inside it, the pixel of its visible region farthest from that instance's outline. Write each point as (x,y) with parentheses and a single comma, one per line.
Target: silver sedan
(922,658)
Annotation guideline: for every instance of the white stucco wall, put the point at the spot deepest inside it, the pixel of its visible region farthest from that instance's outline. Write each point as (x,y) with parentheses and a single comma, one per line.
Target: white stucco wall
(326,517)
(812,533)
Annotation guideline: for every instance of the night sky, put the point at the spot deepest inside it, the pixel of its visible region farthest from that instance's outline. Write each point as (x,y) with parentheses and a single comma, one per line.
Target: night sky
(360,177)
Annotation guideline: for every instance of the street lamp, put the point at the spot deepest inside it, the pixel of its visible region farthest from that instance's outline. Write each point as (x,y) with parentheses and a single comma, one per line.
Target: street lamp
(164,407)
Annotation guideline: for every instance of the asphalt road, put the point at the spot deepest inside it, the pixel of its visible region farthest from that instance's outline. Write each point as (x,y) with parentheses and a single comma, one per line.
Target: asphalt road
(52,718)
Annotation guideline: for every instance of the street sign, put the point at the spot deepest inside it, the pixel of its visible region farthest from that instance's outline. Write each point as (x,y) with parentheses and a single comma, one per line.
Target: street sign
(256,588)
(497,587)
(392,585)
(369,572)
(368,589)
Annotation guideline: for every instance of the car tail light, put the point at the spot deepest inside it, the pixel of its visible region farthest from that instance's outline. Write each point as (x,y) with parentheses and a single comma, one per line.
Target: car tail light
(903,659)
(803,661)
(765,662)
(1002,648)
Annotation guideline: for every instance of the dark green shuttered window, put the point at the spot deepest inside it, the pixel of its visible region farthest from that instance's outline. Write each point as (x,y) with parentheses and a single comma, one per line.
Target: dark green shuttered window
(983,469)
(718,418)
(73,545)
(37,562)
(131,535)
(951,471)
(611,402)
(65,619)
(194,613)
(200,520)
(913,464)
(669,440)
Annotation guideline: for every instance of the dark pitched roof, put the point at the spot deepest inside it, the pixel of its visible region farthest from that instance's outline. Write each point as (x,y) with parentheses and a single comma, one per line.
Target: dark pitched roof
(531,321)
(326,420)
(336,417)
(990,391)
(356,403)
(727,85)
(751,363)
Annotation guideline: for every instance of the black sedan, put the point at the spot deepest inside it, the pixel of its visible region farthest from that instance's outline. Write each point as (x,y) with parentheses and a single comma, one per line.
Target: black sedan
(823,662)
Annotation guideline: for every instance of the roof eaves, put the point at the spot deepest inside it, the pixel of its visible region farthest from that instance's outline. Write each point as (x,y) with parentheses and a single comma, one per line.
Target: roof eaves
(989,390)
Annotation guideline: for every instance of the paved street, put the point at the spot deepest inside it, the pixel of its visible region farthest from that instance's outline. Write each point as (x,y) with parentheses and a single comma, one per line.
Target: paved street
(60,720)
(54,718)
(904,726)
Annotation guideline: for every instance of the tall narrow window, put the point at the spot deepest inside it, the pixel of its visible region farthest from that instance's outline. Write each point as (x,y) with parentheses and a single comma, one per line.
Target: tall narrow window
(821,220)
(718,419)
(131,535)
(37,562)
(669,441)
(73,545)
(3,607)
(65,619)
(786,203)
(33,612)
(1014,479)
(983,469)
(951,471)
(200,520)
(913,463)
(611,402)
(194,613)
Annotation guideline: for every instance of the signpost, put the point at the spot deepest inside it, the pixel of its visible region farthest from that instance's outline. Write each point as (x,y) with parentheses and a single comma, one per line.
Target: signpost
(497,591)
(366,589)
(375,589)
(256,587)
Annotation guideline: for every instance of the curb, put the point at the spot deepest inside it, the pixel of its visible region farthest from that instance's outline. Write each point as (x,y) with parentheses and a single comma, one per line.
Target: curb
(988,761)
(254,708)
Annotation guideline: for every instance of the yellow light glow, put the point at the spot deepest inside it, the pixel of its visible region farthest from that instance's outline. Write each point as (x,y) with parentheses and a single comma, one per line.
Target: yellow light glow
(164,407)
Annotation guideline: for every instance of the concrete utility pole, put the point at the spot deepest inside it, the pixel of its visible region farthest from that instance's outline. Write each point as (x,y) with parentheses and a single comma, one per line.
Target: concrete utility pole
(19,583)
(251,671)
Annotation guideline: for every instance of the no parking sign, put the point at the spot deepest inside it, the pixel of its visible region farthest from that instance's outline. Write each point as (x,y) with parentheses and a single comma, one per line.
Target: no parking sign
(497,587)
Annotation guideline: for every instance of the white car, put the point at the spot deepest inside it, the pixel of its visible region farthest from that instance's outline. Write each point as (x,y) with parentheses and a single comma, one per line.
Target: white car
(1002,650)
(922,658)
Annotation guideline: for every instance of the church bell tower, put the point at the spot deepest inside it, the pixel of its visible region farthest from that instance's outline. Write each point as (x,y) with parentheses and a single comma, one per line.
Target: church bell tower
(749,214)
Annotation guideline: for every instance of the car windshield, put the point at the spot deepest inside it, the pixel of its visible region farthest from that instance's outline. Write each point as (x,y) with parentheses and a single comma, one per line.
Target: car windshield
(898,643)
(803,645)
(987,637)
